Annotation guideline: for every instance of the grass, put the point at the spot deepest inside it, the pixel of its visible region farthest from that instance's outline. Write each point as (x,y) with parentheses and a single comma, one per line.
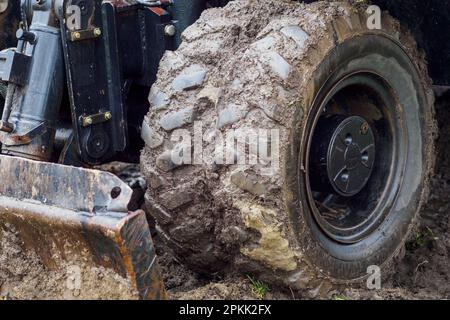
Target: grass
(420,240)
(259,288)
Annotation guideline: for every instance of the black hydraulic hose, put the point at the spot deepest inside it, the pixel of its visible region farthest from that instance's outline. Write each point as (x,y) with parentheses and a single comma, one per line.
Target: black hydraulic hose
(3,89)
(186,12)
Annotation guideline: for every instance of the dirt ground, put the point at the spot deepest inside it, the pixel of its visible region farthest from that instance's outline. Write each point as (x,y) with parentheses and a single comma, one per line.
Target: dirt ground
(424,272)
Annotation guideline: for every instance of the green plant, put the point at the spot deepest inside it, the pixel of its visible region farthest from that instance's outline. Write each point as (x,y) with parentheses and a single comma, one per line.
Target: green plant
(420,239)
(259,288)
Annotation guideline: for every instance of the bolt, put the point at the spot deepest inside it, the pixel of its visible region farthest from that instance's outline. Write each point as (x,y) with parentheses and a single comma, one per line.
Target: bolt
(365,157)
(108,116)
(345,177)
(97,32)
(3,5)
(30,37)
(88,121)
(170,30)
(364,128)
(77,35)
(348,139)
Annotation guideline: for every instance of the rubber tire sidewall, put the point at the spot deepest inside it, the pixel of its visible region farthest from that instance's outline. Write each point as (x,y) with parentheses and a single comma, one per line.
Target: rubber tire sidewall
(386,57)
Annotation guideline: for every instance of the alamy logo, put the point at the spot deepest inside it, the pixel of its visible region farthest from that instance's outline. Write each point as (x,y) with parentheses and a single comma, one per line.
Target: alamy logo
(374,279)
(73,281)
(249,146)
(73,17)
(374,17)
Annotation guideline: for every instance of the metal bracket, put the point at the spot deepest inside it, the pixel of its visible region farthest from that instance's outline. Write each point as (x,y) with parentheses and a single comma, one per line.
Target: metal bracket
(14,67)
(87,121)
(87,34)
(9,139)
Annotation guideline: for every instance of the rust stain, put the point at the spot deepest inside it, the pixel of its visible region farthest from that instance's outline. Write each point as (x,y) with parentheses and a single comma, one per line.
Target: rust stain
(158,11)
(127,261)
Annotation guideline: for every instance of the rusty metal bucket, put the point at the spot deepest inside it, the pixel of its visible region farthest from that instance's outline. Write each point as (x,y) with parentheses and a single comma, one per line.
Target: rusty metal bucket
(67,233)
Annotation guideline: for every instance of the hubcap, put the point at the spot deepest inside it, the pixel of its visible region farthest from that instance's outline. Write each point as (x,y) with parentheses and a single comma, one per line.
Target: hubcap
(350,156)
(346,153)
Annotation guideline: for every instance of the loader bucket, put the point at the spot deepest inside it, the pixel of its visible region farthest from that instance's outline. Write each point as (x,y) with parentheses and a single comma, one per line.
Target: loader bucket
(67,233)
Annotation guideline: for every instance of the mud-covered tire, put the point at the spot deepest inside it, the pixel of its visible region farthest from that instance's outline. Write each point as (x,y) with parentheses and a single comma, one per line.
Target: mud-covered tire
(262,64)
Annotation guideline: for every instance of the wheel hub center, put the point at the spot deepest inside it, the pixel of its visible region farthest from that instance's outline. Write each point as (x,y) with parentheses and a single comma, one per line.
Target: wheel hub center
(345,147)
(352,156)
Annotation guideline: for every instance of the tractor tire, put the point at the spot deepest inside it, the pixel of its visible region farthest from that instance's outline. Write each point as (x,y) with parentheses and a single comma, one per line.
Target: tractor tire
(315,75)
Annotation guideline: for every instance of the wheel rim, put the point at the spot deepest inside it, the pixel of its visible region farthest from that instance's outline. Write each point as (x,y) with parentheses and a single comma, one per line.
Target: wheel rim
(355,156)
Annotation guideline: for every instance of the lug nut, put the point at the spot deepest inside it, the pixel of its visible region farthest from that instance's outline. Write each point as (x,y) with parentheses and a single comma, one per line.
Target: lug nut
(364,128)
(365,157)
(348,139)
(345,177)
